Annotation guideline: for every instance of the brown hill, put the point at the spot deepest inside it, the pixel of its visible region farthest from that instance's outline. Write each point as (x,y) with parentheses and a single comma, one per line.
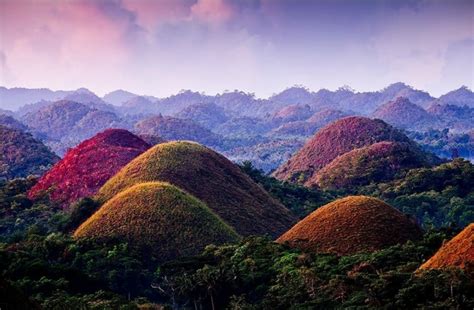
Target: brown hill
(458,252)
(160,218)
(333,140)
(351,225)
(381,161)
(210,177)
(292,113)
(402,113)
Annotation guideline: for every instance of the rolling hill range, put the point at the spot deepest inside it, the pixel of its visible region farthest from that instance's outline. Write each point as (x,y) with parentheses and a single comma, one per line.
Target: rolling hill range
(334,140)
(351,225)
(311,125)
(404,114)
(457,253)
(22,155)
(85,168)
(160,219)
(66,123)
(10,122)
(234,120)
(118,97)
(208,115)
(14,98)
(462,96)
(378,162)
(171,128)
(210,177)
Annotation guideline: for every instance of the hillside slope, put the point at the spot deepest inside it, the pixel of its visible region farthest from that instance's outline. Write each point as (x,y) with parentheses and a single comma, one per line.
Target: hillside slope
(378,162)
(21,155)
(89,165)
(402,113)
(160,219)
(333,140)
(458,252)
(210,177)
(351,225)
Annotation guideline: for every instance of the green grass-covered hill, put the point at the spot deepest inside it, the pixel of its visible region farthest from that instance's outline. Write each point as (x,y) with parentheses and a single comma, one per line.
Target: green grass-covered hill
(210,177)
(159,217)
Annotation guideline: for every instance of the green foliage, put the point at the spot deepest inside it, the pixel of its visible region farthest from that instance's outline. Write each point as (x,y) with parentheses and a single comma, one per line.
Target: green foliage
(299,199)
(22,155)
(58,272)
(438,196)
(259,274)
(19,215)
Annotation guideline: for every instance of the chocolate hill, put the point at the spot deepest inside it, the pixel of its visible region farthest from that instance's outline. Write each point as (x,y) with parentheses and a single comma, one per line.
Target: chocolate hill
(334,140)
(378,162)
(210,177)
(171,128)
(458,252)
(160,218)
(89,165)
(351,225)
(292,113)
(402,113)
(22,155)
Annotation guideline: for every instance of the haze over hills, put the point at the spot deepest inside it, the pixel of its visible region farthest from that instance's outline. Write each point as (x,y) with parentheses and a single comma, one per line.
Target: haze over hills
(236,121)
(404,114)
(22,155)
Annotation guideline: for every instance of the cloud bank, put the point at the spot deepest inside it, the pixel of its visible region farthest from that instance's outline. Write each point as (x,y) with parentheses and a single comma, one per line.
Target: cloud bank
(261,46)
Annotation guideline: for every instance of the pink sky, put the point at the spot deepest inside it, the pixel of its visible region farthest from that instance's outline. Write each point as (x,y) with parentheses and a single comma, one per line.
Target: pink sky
(261,46)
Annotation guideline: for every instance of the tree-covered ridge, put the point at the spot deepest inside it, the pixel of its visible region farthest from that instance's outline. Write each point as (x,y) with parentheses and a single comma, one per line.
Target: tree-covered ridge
(22,155)
(441,196)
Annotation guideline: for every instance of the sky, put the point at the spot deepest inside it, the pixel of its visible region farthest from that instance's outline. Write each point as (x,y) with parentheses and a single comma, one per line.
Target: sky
(159,47)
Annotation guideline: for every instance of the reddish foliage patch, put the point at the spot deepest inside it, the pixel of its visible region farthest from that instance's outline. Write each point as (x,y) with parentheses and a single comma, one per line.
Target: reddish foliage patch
(336,139)
(351,225)
(381,161)
(88,166)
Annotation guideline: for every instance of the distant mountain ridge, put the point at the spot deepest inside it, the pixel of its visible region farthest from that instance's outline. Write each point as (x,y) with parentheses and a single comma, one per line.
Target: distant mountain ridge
(247,104)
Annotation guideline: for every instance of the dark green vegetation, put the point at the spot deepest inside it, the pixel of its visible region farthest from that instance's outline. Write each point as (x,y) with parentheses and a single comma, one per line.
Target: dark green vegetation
(438,196)
(22,155)
(39,259)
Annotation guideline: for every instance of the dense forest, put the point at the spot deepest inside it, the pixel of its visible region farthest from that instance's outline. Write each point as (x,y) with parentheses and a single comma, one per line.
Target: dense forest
(40,258)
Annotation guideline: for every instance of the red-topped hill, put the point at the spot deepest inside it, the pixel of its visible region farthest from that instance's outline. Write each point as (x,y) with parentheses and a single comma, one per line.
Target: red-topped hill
(336,139)
(85,168)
